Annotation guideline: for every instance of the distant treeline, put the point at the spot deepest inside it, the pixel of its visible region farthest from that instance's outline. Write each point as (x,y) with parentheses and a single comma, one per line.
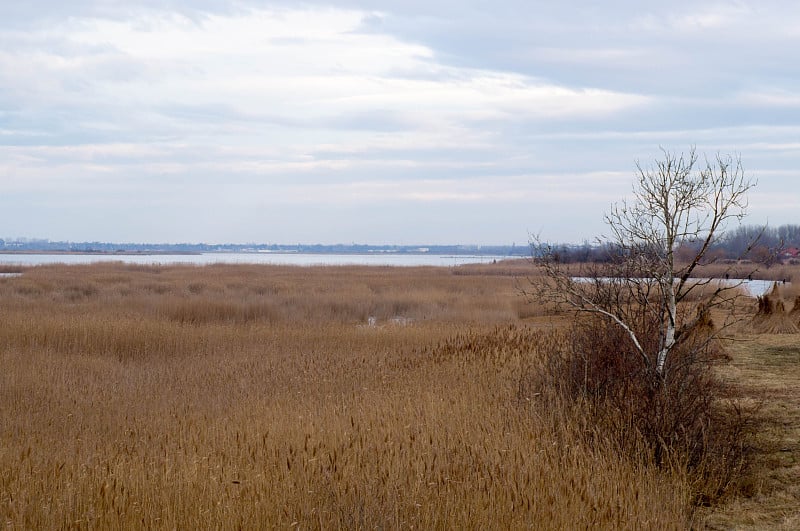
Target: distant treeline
(766,245)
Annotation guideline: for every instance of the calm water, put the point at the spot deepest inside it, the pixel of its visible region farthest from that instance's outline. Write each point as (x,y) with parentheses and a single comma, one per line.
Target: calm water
(383,259)
(755,288)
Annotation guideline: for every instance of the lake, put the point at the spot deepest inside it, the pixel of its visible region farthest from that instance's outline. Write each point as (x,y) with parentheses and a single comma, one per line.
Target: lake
(298,259)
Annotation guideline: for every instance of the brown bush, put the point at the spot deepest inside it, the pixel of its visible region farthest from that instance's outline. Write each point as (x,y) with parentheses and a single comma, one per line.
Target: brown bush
(687,420)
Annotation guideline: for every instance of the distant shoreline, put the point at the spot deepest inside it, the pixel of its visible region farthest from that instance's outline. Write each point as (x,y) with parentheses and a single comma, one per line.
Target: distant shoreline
(104,253)
(280,252)
(19,258)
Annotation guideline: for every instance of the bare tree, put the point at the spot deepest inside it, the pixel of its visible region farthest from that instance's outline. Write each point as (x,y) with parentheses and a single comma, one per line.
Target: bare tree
(677,203)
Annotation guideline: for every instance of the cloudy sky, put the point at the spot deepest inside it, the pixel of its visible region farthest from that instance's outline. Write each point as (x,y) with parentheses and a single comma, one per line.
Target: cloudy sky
(380,122)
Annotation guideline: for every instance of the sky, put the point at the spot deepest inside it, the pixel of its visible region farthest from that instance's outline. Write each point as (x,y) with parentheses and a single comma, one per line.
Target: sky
(378,122)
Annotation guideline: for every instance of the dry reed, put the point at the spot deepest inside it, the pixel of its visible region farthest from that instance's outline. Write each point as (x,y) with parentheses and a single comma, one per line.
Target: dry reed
(253,396)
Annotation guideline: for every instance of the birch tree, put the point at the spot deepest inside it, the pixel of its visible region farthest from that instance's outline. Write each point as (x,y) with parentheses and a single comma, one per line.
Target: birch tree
(679,201)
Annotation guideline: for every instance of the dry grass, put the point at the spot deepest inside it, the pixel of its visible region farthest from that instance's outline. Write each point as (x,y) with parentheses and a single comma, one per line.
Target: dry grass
(767,369)
(745,269)
(242,396)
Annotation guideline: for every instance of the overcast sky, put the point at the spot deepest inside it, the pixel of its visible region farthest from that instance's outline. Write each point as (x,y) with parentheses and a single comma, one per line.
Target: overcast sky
(380,122)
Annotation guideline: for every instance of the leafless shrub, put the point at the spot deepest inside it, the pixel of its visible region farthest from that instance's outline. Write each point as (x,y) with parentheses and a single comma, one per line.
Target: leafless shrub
(688,419)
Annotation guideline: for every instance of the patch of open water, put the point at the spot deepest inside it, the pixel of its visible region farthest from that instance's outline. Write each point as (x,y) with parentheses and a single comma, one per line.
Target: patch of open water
(300,259)
(754,288)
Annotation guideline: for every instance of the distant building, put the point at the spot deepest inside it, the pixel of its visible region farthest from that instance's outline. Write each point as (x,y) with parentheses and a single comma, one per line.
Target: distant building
(791,252)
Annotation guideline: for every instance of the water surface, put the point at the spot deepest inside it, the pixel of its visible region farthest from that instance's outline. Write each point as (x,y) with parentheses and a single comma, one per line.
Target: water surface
(754,288)
(299,259)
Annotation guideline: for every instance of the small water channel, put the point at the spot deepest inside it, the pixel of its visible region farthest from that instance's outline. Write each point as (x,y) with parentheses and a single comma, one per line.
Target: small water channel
(754,288)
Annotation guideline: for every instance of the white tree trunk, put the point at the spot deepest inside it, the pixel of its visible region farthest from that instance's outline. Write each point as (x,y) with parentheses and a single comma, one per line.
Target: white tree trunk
(669,331)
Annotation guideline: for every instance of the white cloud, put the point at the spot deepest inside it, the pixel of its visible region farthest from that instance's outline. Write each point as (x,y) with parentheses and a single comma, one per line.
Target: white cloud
(536,190)
(299,64)
(426,104)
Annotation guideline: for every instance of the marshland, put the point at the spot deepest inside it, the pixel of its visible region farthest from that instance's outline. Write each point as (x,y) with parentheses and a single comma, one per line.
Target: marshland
(252,396)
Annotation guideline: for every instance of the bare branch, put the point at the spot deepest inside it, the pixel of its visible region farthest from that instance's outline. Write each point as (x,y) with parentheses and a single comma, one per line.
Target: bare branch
(675,201)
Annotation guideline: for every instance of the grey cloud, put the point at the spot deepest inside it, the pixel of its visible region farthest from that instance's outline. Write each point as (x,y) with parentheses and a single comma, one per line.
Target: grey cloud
(697,80)
(540,39)
(524,36)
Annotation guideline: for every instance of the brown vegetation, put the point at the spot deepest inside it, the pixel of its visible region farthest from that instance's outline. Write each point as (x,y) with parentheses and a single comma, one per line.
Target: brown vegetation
(263,396)
(745,269)
(242,396)
(688,419)
(766,370)
(772,317)
(795,312)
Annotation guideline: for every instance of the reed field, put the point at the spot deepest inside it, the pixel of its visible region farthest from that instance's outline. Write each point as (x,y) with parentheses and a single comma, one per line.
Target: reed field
(240,396)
